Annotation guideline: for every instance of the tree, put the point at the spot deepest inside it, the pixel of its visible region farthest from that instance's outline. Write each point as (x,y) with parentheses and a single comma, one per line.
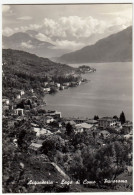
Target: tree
(115,117)
(53,90)
(122,118)
(96,117)
(69,129)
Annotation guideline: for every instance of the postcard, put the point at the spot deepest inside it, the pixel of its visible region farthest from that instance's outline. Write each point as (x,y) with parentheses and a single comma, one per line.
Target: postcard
(67,98)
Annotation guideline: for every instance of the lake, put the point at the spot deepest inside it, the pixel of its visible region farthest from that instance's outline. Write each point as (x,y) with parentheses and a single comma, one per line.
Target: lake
(107,93)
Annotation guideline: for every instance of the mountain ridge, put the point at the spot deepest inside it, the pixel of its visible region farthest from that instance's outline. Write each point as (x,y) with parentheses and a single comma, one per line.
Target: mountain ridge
(114,48)
(26,41)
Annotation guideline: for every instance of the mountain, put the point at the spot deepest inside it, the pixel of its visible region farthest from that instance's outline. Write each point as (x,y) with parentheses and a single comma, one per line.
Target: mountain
(114,48)
(22,70)
(27,41)
(18,39)
(31,64)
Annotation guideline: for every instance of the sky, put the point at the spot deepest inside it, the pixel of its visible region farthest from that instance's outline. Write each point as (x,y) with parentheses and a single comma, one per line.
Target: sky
(67,26)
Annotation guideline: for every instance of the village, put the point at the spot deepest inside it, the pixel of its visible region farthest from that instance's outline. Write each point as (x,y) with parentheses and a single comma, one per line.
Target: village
(47,139)
(45,123)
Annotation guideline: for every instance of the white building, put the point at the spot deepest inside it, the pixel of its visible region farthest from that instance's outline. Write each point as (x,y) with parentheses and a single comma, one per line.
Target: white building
(5,101)
(43,132)
(18,96)
(22,92)
(47,89)
(58,85)
(31,90)
(45,83)
(19,112)
(83,126)
(49,119)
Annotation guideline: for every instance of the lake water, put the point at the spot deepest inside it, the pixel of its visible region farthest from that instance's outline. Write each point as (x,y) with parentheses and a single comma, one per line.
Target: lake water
(107,93)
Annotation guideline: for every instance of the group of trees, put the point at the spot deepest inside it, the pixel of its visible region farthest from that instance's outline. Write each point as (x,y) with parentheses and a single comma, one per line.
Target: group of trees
(65,79)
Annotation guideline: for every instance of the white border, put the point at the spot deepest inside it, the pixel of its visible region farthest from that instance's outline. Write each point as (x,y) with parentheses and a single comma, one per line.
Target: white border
(53,2)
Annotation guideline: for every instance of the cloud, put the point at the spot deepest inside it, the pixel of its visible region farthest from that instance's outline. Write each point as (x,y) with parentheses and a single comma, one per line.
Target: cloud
(8,31)
(73,26)
(72,32)
(27,45)
(43,37)
(70,45)
(25,18)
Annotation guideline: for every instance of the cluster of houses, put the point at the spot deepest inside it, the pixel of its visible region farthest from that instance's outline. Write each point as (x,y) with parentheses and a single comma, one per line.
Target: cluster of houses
(42,120)
(58,86)
(100,127)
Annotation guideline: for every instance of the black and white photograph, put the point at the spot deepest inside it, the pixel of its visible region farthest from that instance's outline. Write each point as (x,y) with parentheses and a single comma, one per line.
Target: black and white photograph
(67,101)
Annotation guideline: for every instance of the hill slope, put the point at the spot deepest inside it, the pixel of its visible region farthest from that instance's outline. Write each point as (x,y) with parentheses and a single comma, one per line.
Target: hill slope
(114,48)
(22,70)
(32,64)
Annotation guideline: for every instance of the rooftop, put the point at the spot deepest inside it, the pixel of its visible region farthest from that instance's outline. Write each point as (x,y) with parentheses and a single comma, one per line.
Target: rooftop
(107,119)
(84,125)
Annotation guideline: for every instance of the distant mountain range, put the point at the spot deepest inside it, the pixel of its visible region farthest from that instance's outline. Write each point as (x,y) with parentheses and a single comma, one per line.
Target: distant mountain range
(114,48)
(28,42)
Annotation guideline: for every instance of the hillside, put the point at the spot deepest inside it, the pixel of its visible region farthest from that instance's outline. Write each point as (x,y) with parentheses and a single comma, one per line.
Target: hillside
(22,70)
(32,64)
(114,48)
(28,42)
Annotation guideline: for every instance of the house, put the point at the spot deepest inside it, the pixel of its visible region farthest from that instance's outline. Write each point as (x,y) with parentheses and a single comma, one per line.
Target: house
(83,126)
(105,134)
(79,82)
(18,96)
(51,82)
(6,107)
(107,122)
(5,101)
(127,126)
(91,121)
(78,129)
(31,90)
(74,84)
(36,129)
(118,126)
(66,84)
(40,157)
(128,136)
(80,120)
(34,147)
(62,87)
(49,119)
(20,118)
(54,114)
(58,85)
(45,83)
(34,125)
(47,89)
(19,112)
(22,92)
(34,98)
(60,124)
(43,132)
